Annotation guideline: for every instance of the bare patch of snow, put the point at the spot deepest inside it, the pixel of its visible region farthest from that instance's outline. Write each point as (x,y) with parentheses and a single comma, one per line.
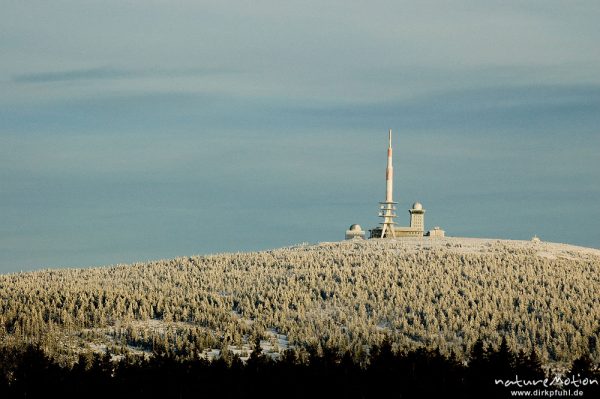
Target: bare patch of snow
(545,254)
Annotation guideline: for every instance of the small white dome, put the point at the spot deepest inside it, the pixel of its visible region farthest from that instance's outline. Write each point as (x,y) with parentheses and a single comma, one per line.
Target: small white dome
(355,227)
(417,206)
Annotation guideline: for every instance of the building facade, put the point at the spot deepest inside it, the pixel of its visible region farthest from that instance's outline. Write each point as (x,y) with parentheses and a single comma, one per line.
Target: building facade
(436,233)
(416,228)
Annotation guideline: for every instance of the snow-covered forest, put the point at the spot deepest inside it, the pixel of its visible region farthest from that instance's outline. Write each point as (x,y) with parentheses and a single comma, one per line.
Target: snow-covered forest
(438,294)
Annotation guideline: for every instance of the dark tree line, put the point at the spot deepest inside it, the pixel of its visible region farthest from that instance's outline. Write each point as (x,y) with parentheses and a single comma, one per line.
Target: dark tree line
(320,372)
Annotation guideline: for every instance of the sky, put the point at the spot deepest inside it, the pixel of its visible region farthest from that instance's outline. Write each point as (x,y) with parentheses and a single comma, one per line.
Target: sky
(141,130)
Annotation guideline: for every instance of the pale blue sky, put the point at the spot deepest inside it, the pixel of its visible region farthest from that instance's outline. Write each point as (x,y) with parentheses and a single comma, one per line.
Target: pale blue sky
(137,130)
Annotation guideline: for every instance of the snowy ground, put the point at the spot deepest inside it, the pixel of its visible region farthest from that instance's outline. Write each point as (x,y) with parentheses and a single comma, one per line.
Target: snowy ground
(464,245)
(274,344)
(273,347)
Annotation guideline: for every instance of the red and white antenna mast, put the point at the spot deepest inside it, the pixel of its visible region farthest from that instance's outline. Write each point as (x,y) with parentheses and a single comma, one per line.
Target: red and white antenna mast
(387,209)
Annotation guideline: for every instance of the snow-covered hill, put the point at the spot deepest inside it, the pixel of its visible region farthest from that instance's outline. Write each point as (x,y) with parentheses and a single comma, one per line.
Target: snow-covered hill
(439,293)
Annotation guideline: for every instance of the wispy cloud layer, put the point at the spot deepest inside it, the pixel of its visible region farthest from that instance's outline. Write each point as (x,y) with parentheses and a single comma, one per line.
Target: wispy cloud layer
(133,126)
(103,73)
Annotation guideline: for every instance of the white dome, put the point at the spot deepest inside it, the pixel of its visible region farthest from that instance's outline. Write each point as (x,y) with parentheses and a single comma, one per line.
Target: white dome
(417,206)
(355,227)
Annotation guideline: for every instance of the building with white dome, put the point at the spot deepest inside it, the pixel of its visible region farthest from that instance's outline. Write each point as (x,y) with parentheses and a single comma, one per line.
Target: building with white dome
(417,216)
(355,232)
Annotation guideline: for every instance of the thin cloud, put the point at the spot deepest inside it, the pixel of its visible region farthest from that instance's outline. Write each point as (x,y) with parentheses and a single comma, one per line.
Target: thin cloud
(109,73)
(489,109)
